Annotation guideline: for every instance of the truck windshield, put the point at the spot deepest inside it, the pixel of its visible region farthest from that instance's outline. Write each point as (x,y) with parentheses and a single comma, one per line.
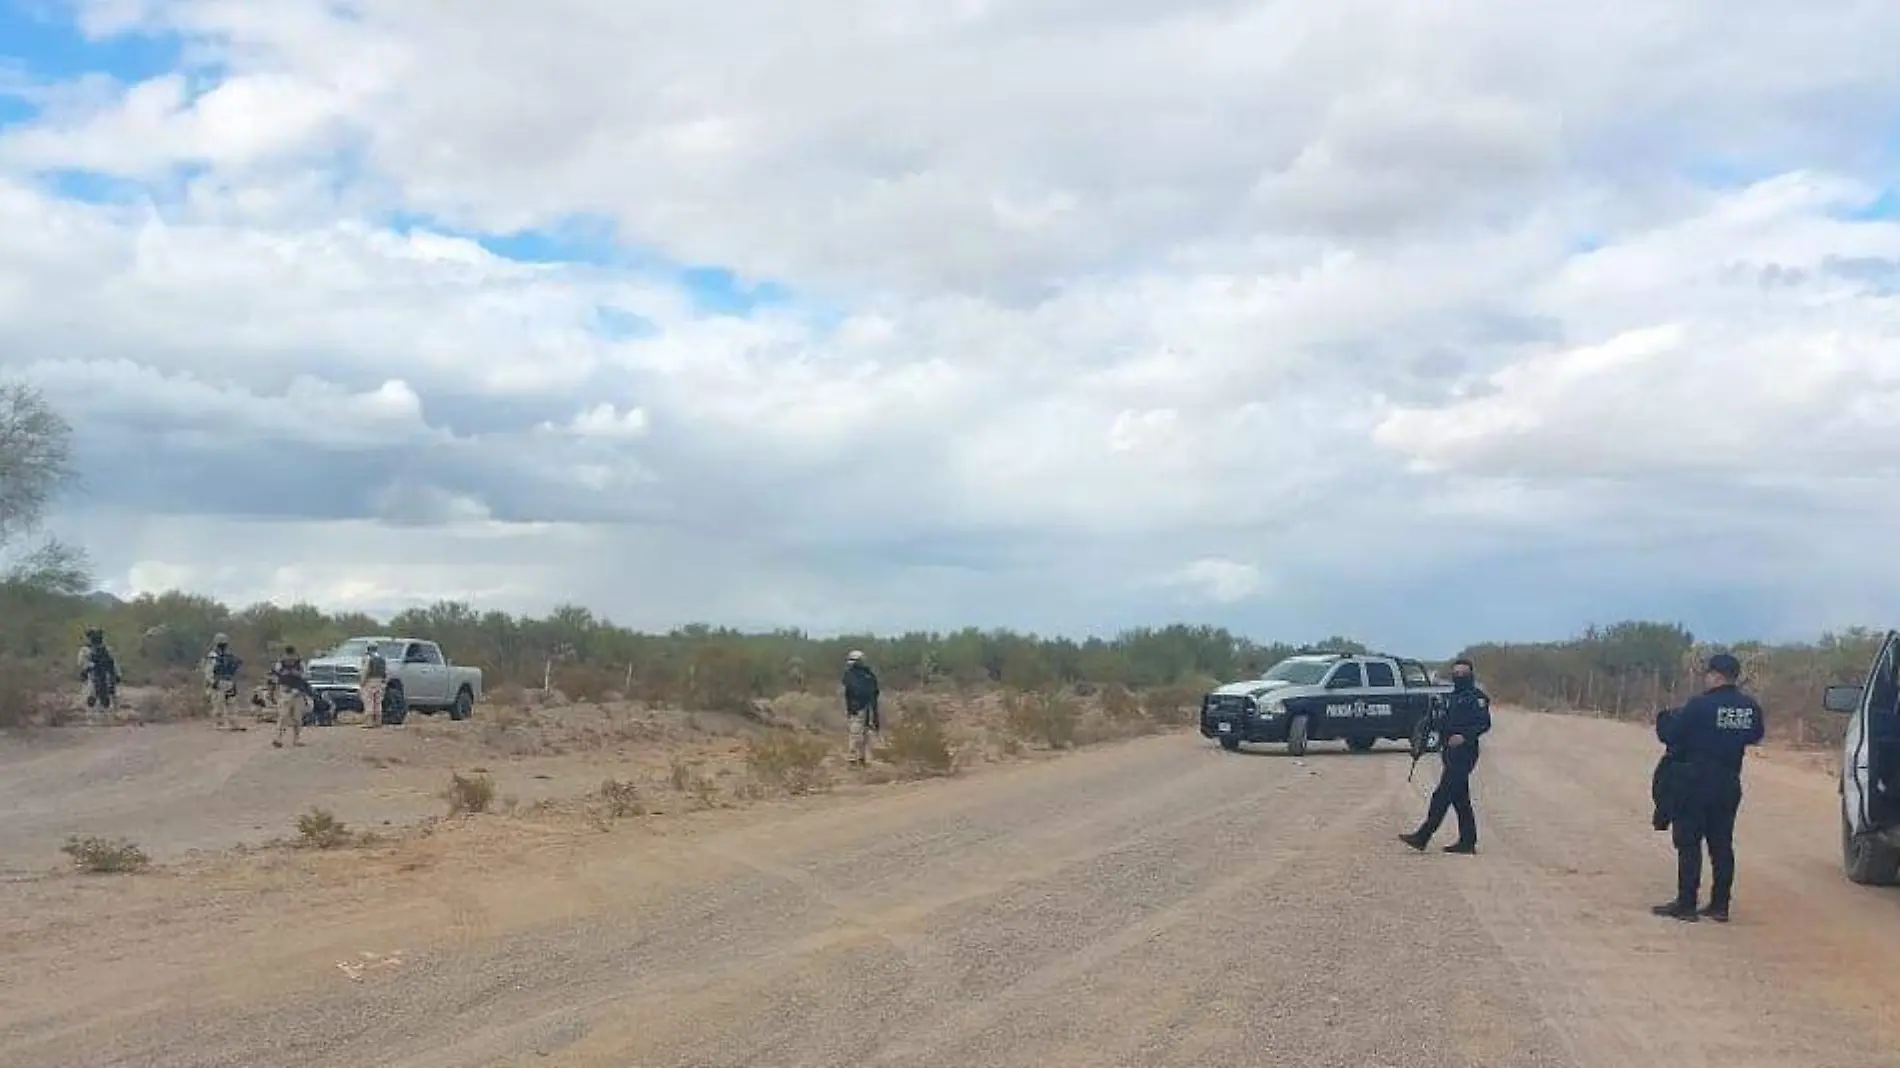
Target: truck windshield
(1298,672)
(358,648)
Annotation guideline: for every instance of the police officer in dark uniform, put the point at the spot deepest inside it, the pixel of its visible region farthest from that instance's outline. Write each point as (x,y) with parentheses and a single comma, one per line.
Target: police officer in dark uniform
(1466,715)
(1710,734)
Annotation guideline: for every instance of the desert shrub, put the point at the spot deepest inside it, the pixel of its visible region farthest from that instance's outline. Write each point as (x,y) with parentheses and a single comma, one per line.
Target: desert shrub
(29,694)
(320,829)
(794,763)
(725,677)
(686,777)
(592,683)
(101,856)
(917,740)
(622,799)
(468,794)
(1119,704)
(1172,705)
(1044,717)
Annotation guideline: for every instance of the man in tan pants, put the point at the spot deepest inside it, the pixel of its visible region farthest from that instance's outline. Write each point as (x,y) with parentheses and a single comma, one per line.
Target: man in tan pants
(375,682)
(220,672)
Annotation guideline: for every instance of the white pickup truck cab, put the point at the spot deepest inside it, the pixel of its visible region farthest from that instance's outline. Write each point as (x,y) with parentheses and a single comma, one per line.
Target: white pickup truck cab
(420,678)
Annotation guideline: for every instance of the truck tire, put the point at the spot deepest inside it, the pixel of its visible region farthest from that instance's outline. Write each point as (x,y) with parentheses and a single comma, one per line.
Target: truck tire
(1868,859)
(1230,743)
(395,707)
(1296,736)
(1361,745)
(464,705)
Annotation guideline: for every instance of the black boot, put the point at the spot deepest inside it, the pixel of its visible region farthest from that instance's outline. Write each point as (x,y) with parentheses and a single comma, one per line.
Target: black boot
(1414,840)
(1676,910)
(1462,847)
(1716,910)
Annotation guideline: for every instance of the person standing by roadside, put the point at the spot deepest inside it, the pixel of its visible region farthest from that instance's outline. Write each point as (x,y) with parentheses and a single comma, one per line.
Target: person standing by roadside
(1710,735)
(375,677)
(860,705)
(293,696)
(221,670)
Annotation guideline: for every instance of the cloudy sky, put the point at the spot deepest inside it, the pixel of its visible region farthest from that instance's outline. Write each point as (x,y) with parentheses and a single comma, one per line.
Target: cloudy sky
(1428,323)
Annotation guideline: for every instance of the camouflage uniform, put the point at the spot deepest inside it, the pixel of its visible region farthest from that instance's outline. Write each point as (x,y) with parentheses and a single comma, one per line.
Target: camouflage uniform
(98,671)
(860,705)
(373,687)
(220,674)
(290,697)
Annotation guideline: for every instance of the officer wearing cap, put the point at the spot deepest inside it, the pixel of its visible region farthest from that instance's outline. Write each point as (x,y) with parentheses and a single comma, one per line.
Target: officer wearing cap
(1710,734)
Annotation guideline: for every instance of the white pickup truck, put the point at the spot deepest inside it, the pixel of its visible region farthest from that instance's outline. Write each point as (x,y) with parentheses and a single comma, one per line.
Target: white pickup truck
(420,678)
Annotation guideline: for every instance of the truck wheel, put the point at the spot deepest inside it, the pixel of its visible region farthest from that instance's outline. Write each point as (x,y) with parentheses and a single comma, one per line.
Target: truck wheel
(1296,736)
(1869,860)
(1361,745)
(464,705)
(395,708)
(1230,743)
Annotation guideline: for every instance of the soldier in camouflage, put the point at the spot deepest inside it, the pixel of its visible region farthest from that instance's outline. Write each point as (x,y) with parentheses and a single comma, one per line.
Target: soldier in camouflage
(98,671)
(220,673)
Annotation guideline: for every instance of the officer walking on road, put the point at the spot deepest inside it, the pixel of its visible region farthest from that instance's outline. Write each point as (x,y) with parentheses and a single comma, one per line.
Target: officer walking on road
(860,705)
(1709,735)
(1466,715)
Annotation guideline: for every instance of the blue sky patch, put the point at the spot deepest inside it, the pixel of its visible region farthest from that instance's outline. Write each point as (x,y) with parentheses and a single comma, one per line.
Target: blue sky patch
(43,41)
(619,324)
(1884,207)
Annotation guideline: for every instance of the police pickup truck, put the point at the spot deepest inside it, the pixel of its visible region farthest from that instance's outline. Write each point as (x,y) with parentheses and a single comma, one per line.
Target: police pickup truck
(1322,697)
(1870,769)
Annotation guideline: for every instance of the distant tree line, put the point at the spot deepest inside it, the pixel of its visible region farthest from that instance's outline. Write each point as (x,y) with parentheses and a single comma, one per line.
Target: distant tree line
(1628,669)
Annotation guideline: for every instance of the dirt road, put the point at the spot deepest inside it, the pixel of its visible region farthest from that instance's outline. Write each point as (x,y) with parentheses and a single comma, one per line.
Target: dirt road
(1158,903)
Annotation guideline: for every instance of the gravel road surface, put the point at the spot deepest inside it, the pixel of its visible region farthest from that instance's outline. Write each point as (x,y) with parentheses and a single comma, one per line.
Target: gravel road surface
(1152,903)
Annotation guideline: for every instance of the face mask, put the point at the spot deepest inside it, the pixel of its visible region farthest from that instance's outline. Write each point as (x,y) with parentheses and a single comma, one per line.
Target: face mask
(1463,682)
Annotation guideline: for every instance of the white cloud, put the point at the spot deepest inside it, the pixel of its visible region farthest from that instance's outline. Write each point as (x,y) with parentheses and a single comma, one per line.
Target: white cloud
(1224,581)
(1365,295)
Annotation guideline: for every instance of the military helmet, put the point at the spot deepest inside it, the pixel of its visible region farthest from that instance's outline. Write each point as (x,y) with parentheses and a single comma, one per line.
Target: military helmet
(221,639)
(94,633)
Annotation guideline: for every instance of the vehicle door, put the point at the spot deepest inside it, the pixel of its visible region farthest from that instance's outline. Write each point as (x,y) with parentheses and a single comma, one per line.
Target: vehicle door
(1384,697)
(422,675)
(1869,779)
(1345,702)
(1416,682)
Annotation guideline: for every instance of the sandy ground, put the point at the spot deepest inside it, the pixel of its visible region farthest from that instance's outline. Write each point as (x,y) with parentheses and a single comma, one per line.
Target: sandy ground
(1155,902)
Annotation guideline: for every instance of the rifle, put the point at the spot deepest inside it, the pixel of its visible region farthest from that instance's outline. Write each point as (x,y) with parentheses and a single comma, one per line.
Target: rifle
(1425,734)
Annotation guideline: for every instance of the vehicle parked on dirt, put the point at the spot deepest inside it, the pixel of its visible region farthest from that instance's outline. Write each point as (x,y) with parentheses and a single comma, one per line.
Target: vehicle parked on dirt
(420,678)
(1870,769)
(1322,697)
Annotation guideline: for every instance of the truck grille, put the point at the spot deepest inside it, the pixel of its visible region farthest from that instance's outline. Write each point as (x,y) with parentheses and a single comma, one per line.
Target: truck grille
(1231,704)
(331,675)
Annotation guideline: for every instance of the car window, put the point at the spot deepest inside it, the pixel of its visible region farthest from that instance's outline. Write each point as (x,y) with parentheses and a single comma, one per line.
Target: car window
(1379,673)
(426,653)
(1414,673)
(1347,676)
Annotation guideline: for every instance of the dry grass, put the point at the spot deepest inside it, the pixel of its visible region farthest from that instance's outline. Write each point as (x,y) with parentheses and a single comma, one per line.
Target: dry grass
(791,762)
(918,741)
(469,794)
(621,800)
(100,856)
(320,829)
(1049,719)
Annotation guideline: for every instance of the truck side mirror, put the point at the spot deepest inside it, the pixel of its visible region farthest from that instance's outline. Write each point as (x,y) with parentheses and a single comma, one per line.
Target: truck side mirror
(1842,699)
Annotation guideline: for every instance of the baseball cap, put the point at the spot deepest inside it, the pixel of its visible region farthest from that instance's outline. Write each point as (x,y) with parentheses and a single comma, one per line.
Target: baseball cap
(1725,665)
